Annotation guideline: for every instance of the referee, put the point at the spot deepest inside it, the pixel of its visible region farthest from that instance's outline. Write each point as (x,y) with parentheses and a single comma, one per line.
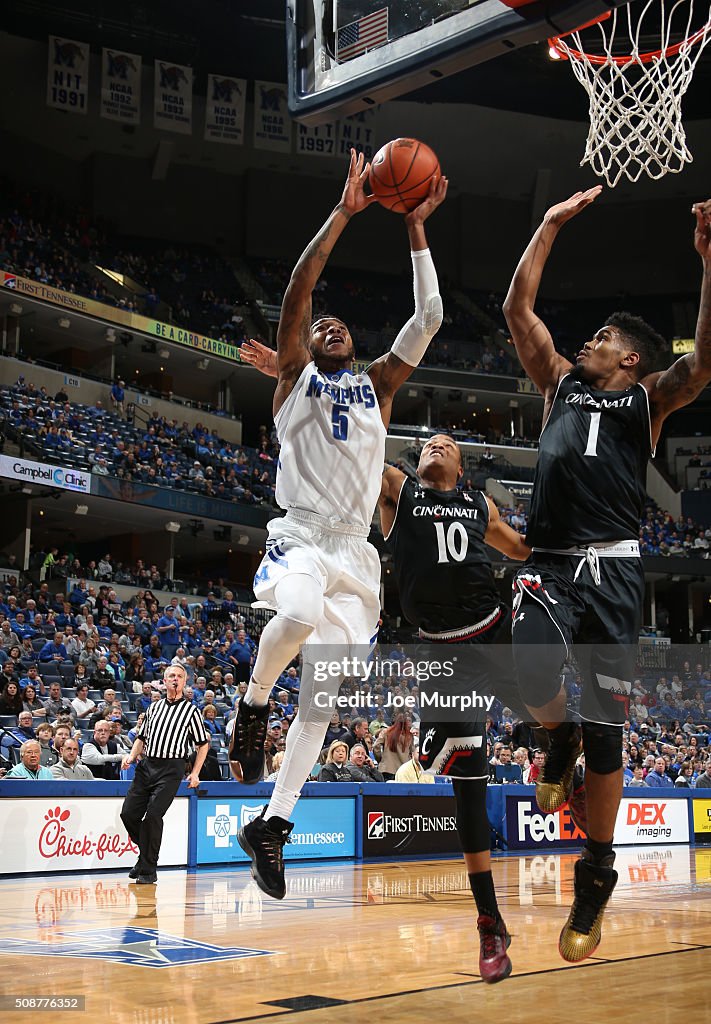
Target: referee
(171,727)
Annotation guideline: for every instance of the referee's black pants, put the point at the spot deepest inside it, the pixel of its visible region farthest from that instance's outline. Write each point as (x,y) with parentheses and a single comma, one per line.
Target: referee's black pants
(152,792)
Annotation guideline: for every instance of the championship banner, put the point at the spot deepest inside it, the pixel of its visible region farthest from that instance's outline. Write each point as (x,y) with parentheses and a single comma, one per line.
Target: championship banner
(318,140)
(272,124)
(357,132)
(120,87)
(225,103)
(173,98)
(43,473)
(67,75)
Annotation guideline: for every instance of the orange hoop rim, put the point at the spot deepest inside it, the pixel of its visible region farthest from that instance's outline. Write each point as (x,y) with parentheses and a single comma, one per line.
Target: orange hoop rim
(600,59)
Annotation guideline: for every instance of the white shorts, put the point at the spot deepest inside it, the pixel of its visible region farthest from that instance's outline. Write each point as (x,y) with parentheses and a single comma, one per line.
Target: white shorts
(339,557)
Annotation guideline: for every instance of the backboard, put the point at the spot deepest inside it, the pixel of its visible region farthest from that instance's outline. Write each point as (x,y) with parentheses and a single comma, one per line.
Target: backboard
(345,56)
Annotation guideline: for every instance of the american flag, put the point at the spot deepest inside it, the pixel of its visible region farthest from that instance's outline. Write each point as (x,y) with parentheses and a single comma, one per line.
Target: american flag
(362,35)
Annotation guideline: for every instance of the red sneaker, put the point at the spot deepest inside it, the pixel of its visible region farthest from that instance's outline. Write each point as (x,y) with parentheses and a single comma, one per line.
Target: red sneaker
(494,962)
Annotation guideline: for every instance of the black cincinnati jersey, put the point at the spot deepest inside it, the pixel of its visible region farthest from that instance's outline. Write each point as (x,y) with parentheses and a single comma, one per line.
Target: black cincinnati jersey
(591,474)
(440,559)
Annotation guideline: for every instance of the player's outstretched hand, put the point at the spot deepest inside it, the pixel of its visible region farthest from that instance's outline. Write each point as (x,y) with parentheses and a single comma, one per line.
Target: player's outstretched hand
(435,197)
(354,198)
(562,212)
(702,231)
(259,356)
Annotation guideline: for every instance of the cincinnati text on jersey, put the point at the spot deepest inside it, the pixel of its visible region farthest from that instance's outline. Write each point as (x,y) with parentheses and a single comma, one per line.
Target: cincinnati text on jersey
(445,511)
(604,403)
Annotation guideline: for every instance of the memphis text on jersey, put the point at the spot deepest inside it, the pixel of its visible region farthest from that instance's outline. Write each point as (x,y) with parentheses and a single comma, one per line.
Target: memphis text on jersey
(359,394)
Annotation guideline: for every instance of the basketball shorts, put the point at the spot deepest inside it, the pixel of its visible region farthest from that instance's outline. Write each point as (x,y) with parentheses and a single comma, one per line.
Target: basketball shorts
(457,748)
(340,559)
(599,623)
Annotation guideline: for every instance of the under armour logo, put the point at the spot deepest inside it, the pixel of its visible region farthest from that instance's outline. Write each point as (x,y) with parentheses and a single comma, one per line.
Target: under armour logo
(467,497)
(419,493)
(519,618)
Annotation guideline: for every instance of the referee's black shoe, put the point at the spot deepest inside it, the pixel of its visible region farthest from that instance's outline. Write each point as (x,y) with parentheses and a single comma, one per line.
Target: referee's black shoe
(247,742)
(264,841)
(149,879)
(133,873)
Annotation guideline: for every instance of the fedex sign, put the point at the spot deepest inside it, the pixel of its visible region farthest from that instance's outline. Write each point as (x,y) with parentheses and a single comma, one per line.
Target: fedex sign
(528,826)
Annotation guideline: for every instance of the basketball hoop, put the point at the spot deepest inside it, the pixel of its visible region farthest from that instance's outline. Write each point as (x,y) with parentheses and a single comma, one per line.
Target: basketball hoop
(635,96)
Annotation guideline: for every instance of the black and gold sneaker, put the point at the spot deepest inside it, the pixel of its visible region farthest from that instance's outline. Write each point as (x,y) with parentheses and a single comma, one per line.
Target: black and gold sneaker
(555,781)
(582,931)
(264,841)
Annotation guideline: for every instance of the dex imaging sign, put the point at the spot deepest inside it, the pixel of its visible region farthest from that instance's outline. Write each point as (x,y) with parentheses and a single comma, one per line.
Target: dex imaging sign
(42,473)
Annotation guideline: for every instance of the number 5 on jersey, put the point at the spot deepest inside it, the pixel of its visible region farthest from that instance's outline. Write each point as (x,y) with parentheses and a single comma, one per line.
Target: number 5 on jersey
(339,419)
(454,542)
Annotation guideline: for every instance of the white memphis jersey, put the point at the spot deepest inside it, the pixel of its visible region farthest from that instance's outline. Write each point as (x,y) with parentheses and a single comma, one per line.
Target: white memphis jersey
(332,442)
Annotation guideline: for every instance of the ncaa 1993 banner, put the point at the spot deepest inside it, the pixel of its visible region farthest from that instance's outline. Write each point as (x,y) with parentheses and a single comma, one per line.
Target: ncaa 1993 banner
(173,97)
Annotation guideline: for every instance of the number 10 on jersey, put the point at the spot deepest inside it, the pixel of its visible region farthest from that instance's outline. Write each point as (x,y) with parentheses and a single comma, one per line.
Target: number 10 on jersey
(452,542)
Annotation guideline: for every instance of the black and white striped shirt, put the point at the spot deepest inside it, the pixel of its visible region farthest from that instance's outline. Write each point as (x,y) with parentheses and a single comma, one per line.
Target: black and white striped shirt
(172,729)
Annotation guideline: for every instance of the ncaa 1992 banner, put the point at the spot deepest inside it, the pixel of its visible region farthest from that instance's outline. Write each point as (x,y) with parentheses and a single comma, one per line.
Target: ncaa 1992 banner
(395,826)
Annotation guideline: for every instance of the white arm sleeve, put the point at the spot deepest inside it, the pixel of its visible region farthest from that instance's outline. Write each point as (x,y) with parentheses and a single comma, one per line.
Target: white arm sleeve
(412,341)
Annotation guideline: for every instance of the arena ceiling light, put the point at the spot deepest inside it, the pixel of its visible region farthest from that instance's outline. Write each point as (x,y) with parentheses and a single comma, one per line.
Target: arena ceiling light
(81,510)
(164,353)
(15,308)
(172,527)
(64,322)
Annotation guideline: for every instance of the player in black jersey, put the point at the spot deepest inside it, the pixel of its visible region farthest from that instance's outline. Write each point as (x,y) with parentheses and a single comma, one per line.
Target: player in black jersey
(438,536)
(584,583)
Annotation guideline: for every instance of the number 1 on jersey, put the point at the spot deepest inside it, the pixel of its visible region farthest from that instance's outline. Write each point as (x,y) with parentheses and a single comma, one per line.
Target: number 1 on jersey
(592,434)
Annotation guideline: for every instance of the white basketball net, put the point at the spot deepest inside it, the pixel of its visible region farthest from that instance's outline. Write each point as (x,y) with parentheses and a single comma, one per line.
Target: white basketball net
(635,104)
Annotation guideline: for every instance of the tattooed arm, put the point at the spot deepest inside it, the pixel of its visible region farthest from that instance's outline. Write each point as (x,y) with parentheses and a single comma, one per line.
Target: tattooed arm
(687,377)
(294,330)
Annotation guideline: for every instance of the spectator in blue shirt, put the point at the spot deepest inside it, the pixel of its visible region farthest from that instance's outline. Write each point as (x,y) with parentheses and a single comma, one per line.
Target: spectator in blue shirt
(30,767)
(209,608)
(240,654)
(144,701)
(168,632)
(118,396)
(658,778)
(54,650)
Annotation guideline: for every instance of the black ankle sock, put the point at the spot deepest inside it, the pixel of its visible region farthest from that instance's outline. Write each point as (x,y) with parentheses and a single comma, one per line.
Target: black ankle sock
(482,884)
(598,850)
(561,732)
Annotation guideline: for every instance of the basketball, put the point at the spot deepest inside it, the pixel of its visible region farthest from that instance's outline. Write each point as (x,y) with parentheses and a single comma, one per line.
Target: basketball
(400,174)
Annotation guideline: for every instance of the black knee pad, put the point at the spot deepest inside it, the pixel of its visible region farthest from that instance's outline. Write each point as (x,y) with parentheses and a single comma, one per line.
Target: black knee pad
(538,653)
(472,822)
(602,745)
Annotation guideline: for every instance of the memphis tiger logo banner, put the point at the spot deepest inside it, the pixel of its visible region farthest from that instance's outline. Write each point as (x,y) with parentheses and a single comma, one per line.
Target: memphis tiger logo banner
(173,97)
(68,75)
(120,86)
(272,124)
(225,104)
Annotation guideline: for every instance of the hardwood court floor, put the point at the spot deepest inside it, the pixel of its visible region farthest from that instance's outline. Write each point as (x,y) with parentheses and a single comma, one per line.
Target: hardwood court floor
(391,942)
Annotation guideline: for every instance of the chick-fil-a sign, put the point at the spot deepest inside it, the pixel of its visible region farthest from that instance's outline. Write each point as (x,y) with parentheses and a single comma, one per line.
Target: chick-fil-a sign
(56,841)
(39,834)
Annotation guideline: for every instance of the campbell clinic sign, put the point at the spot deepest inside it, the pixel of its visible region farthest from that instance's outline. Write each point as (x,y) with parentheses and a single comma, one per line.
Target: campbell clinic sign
(43,473)
(79,834)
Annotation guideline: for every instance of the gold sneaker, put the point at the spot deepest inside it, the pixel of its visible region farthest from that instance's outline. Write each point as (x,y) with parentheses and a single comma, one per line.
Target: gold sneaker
(582,931)
(555,782)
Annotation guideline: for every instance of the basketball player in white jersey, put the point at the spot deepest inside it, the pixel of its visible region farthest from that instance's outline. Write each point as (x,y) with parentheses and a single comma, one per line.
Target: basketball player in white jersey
(319,571)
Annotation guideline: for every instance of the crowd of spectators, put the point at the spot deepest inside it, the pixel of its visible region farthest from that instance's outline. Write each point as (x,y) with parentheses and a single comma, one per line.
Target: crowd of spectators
(661,534)
(163,452)
(82,664)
